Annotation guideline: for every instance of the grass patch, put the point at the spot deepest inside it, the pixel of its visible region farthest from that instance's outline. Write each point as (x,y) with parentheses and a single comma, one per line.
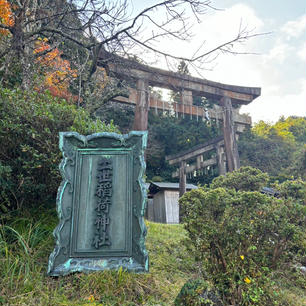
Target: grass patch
(27,241)
(25,244)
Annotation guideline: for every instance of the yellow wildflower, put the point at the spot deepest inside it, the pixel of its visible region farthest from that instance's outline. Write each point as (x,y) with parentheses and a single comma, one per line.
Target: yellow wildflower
(242,257)
(247,280)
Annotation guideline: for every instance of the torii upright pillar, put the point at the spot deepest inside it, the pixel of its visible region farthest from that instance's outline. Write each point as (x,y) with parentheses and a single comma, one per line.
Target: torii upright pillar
(221,159)
(142,106)
(182,184)
(231,147)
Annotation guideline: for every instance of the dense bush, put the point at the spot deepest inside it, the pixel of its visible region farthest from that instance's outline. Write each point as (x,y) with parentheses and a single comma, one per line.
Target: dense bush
(29,156)
(295,189)
(197,293)
(240,237)
(245,178)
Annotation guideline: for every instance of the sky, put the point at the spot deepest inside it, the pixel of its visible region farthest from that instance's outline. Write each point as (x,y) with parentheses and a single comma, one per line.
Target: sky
(278,66)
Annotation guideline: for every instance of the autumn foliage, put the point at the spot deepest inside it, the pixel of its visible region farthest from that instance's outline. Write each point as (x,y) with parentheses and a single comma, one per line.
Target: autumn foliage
(6,16)
(57,73)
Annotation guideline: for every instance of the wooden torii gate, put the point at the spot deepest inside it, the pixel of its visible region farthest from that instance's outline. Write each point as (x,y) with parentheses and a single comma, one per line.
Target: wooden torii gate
(197,152)
(226,95)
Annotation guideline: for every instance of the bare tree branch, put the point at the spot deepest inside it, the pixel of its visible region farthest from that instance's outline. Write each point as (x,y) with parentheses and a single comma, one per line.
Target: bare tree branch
(105,26)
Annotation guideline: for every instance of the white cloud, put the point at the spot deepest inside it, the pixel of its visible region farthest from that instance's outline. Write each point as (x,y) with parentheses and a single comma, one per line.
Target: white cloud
(283,89)
(271,105)
(283,93)
(216,28)
(280,52)
(302,52)
(295,28)
(224,25)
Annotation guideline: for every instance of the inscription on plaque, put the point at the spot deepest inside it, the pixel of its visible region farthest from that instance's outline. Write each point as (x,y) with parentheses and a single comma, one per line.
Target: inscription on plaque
(100,203)
(104,194)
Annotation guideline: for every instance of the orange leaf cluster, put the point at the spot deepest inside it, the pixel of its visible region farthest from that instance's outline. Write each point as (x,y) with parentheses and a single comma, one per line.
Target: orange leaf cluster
(6,16)
(57,72)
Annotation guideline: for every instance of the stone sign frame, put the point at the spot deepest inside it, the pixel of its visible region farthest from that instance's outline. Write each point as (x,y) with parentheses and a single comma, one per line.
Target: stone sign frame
(81,158)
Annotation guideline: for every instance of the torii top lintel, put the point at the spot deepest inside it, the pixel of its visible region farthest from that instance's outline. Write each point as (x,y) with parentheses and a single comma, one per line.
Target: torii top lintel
(127,69)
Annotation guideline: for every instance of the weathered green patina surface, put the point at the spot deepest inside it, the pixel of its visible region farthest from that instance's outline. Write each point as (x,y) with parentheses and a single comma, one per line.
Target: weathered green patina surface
(100,204)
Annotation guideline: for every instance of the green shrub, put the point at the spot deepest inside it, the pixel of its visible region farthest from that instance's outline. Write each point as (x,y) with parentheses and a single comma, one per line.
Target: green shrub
(245,178)
(197,293)
(295,189)
(29,158)
(240,237)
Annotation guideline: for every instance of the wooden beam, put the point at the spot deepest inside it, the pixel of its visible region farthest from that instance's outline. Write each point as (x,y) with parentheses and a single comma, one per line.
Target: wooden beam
(209,162)
(126,69)
(195,151)
(192,168)
(198,86)
(192,154)
(192,110)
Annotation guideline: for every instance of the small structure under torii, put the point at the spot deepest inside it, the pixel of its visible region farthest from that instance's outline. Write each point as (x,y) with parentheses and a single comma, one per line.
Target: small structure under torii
(225,95)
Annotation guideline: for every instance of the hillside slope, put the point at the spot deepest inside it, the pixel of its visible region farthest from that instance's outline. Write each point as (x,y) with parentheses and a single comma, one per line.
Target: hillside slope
(26,243)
